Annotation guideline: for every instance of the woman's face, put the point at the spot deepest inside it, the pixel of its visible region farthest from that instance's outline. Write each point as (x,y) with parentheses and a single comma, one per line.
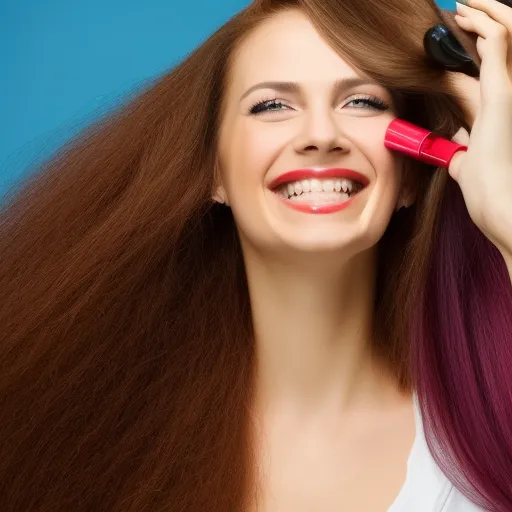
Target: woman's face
(301,150)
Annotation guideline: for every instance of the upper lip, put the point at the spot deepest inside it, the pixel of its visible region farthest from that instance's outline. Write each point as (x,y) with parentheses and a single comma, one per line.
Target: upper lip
(318,173)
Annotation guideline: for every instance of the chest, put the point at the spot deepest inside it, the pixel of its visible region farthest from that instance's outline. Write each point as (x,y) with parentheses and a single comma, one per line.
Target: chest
(307,473)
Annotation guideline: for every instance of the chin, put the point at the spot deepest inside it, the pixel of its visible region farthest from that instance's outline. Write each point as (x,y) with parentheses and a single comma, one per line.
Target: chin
(320,241)
(283,230)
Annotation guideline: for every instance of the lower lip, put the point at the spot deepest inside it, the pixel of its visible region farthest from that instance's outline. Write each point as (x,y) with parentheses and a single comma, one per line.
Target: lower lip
(310,208)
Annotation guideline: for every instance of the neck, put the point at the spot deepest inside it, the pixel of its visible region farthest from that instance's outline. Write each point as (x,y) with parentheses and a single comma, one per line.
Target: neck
(313,328)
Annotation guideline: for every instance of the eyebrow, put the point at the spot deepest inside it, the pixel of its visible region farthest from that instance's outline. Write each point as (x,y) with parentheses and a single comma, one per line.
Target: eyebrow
(293,87)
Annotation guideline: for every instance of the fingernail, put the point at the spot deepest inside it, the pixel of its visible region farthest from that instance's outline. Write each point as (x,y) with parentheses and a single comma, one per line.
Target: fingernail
(461,136)
(463,2)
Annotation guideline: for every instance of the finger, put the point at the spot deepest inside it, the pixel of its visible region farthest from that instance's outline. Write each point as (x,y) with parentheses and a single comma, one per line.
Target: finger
(455,165)
(492,46)
(496,10)
(461,137)
(467,90)
(484,26)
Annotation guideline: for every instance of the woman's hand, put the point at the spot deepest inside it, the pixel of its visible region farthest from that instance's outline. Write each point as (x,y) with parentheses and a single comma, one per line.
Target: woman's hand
(484,172)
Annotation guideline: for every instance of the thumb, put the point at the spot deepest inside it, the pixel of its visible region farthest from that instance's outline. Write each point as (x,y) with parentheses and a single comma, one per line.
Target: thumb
(461,137)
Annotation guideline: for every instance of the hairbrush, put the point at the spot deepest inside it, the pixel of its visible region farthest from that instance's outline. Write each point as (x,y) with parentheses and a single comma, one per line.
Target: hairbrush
(443,47)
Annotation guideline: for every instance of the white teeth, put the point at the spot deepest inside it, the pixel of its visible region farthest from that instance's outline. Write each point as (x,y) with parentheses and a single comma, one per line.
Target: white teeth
(346,185)
(323,198)
(316,186)
(328,185)
(297,188)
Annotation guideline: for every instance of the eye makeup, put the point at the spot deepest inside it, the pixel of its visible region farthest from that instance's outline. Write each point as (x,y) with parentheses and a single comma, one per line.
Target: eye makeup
(271,104)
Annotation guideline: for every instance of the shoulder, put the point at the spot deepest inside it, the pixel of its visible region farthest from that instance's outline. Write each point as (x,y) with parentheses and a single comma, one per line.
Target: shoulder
(427,488)
(457,502)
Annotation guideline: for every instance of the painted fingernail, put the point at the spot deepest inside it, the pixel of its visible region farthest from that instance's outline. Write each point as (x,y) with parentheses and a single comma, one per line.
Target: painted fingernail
(463,2)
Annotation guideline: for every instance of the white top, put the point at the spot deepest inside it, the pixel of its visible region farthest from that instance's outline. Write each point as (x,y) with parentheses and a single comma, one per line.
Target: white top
(426,488)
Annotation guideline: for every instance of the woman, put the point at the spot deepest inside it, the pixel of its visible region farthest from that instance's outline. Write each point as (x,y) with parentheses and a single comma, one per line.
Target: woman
(202,310)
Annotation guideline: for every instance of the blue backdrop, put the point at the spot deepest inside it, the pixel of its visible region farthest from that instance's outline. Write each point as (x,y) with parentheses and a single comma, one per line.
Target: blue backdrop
(65,62)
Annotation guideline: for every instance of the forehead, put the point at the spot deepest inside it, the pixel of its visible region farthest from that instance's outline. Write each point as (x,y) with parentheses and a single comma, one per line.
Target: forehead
(286,47)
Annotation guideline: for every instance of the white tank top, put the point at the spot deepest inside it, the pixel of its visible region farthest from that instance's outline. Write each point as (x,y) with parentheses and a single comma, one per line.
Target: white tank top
(426,488)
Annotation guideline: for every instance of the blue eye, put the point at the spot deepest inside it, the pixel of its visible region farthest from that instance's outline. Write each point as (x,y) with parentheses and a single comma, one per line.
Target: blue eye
(371,102)
(272,105)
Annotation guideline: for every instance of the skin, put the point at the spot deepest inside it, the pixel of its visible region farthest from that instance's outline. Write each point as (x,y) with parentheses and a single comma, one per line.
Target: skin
(330,421)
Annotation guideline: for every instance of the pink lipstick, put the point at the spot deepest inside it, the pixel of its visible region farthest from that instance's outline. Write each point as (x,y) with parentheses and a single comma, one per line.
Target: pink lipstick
(420,144)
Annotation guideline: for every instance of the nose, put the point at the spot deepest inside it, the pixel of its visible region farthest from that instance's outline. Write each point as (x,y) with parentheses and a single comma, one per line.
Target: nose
(321,133)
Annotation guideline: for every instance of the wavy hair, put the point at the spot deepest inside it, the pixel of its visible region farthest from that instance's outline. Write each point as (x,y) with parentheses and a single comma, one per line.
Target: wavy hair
(126,340)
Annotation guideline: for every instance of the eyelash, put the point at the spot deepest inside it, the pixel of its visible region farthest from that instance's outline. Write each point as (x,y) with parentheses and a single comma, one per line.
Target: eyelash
(259,107)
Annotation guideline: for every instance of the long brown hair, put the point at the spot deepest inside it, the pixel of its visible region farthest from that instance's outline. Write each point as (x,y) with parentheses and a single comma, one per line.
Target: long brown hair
(126,343)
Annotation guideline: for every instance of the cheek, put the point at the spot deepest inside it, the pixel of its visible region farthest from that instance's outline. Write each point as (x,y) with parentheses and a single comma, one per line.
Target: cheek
(387,174)
(386,164)
(250,151)
(250,154)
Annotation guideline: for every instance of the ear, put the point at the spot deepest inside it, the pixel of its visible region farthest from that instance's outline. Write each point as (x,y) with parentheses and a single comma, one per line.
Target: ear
(408,188)
(219,192)
(219,196)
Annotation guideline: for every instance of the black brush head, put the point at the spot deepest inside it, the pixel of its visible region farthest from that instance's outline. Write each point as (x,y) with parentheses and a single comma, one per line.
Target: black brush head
(443,47)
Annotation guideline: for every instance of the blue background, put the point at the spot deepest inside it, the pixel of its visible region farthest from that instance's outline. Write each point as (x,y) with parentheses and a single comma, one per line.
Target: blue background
(65,62)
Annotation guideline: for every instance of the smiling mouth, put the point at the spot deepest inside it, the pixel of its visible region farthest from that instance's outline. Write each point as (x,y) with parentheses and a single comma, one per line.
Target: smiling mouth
(319,191)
